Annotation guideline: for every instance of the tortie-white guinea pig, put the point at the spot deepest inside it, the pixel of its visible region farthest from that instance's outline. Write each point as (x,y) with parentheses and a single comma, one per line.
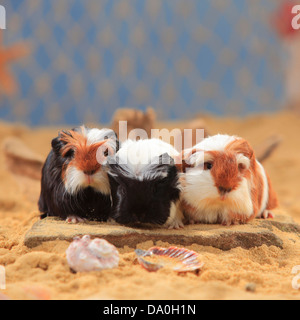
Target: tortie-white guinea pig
(74,184)
(144,184)
(224,183)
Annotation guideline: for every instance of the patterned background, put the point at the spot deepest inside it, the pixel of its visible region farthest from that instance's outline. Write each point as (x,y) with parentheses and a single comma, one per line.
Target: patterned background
(179,56)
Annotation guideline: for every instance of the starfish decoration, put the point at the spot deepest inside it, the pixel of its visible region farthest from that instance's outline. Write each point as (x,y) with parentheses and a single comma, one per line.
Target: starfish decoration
(8,84)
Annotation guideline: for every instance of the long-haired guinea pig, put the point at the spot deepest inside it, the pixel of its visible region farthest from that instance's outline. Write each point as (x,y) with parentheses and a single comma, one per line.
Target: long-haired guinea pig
(224,183)
(144,184)
(74,184)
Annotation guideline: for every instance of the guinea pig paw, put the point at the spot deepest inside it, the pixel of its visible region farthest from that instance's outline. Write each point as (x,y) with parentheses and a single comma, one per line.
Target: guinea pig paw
(74,220)
(176,224)
(226,223)
(191,221)
(234,222)
(112,221)
(267,215)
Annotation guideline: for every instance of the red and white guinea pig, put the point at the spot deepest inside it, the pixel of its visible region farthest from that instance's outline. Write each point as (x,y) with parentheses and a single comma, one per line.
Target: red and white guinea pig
(224,183)
(74,184)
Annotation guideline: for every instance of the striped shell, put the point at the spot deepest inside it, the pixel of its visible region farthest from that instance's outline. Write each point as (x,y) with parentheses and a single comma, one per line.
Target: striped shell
(178,259)
(85,255)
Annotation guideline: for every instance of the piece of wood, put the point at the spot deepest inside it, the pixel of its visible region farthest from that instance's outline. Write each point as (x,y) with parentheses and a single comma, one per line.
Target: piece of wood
(21,160)
(255,234)
(267,147)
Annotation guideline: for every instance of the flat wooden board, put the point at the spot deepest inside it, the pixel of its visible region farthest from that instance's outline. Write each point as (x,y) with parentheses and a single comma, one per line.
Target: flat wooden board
(254,234)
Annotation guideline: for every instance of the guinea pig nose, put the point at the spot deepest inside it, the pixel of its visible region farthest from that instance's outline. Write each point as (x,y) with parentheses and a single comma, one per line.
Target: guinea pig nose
(89,172)
(224,190)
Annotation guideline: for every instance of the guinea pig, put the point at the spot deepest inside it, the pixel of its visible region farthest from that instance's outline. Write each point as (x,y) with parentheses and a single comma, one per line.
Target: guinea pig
(144,184)
(224,183)
(74,184)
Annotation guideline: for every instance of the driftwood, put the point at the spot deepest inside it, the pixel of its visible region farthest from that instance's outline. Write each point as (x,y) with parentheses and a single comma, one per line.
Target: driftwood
(21,160)
(136,119)
(267,147)
(25,166)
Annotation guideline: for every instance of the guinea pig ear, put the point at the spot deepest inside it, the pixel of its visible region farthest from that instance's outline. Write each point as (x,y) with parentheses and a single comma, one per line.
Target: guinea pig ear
(159,167)
(185,159)
(57,144)
(241,146)
(70,140)
(114,141)
(119,173)
(165,158)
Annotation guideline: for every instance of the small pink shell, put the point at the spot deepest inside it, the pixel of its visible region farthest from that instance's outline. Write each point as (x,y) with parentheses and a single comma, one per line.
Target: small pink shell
(34,292)
(85,255)
(3,297)
(179,259)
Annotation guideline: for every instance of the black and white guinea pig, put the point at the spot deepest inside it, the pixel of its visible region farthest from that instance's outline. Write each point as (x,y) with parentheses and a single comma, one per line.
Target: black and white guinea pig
(144,184)
(74,184)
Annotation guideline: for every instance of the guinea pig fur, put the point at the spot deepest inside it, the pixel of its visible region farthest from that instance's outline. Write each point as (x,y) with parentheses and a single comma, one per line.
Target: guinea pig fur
(144,184)
(224,183)
(74,184)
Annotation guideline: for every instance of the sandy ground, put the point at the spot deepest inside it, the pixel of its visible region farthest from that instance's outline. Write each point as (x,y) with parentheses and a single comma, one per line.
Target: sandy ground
(43,273)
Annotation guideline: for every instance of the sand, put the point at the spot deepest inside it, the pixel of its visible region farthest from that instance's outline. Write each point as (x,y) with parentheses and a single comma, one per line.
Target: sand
(258,273)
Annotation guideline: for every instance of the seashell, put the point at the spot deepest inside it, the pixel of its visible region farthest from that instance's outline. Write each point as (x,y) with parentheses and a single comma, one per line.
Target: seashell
(34,292)
(86,255)
(3,297)
(178,259)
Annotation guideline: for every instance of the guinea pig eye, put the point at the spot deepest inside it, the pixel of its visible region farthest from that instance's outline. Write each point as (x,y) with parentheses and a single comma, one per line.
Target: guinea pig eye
(208,165)
(69,154)
(242,167)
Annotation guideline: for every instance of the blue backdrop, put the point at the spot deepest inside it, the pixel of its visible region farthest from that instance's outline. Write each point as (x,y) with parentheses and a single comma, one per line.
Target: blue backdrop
(179,56)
